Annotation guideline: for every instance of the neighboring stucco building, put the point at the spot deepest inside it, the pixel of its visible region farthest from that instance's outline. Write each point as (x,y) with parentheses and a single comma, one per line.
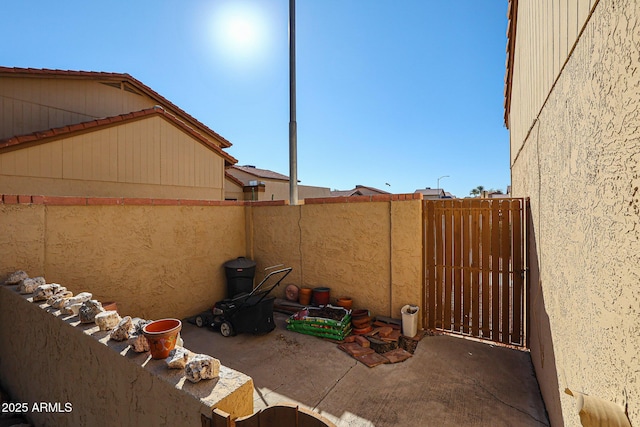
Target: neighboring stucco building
(263,184)
(77,133)
(572,106)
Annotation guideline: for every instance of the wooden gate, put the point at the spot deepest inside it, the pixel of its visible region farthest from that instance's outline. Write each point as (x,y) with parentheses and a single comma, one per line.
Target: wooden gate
(474,268)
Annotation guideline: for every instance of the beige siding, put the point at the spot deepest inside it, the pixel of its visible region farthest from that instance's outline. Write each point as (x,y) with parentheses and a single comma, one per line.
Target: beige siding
(546,32)
(150,151)
(34,104)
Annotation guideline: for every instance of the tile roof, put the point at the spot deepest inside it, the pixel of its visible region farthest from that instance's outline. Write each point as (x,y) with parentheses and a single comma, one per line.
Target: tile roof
(430,191)
(344,193)
(261,173)
(512,15)
(357,191)
(119,77)
(93,125)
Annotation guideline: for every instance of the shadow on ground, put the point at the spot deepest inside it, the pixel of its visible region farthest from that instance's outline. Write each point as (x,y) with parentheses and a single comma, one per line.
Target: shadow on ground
(448,382)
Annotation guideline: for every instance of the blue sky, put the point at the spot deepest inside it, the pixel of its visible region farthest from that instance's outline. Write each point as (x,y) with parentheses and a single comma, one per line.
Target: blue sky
(398,92)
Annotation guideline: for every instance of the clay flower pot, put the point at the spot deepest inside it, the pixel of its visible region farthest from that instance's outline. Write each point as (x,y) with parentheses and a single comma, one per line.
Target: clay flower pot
(345,303)
(304,296)
(162,335)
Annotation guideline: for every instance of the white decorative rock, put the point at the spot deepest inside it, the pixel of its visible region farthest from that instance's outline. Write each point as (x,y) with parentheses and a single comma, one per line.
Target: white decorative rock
(44,292)
(107,320)
(78,299)
(178,358)
(89,310)
(71,310)
(16,277)
(202,367)
(138,343)
(122,330)
(29,286)
(58,298)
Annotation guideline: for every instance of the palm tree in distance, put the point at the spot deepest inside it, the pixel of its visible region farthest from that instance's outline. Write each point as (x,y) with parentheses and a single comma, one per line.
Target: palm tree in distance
(480,188)
(477,191)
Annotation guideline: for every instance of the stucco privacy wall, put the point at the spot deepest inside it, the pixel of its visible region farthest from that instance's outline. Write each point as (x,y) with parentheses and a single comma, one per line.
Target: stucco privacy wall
(154,261)
(49,358)
(370,251)
(580,166)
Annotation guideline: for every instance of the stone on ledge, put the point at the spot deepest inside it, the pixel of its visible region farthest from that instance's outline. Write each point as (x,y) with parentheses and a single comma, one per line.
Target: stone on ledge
(89,310)
(137,340)
(178,358)
(16,277)
(202,367)
(122,330)
(58,298)
(107,320)
(138,343)
(44,292)
(77,300)
(29,286)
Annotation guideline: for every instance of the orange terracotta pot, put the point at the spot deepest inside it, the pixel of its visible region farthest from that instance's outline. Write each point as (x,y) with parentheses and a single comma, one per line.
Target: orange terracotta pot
(345,303)
(162,336)
(304,296)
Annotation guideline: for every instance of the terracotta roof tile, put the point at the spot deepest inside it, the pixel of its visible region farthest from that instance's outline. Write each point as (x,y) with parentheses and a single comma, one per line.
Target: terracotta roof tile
(97,124)
(98,75)
(262,173)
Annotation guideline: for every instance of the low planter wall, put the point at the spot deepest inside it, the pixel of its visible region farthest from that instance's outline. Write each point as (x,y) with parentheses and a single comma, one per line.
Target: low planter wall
(64,373)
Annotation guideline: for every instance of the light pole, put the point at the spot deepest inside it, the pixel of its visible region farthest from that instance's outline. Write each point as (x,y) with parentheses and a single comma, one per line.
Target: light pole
(443,176)
(293,125)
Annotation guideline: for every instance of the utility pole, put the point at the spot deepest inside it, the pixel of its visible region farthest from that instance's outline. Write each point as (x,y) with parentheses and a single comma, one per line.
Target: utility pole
(293,125)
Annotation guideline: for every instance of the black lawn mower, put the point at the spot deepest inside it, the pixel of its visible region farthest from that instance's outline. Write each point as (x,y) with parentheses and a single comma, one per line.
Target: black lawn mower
(246,312)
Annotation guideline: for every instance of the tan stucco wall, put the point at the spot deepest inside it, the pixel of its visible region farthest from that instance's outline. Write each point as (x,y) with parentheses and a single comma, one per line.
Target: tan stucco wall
(581,168)
(159,261)
(370,251)
(143,158)
(54,359)
(22,234)
(154,261)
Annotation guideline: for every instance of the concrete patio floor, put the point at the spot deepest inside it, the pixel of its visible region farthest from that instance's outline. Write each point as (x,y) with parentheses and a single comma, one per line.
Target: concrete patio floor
(448,382)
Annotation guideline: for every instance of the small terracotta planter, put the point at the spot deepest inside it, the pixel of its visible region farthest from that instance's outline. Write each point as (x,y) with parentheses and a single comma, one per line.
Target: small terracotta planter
(359,313)
(162,336)
(345,303)
(304,296)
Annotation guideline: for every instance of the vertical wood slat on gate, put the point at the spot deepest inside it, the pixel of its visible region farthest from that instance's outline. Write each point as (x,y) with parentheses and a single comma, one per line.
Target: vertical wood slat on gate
(456,269)
(486,246)
(495,272)
(505,259)
(473,263)
(446,269)
(438,231)
(475,269)
(430,264)
(517,236)
(465,272)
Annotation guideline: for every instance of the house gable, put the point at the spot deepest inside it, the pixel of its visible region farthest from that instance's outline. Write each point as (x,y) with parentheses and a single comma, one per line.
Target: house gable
(148,148)
(36,99)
